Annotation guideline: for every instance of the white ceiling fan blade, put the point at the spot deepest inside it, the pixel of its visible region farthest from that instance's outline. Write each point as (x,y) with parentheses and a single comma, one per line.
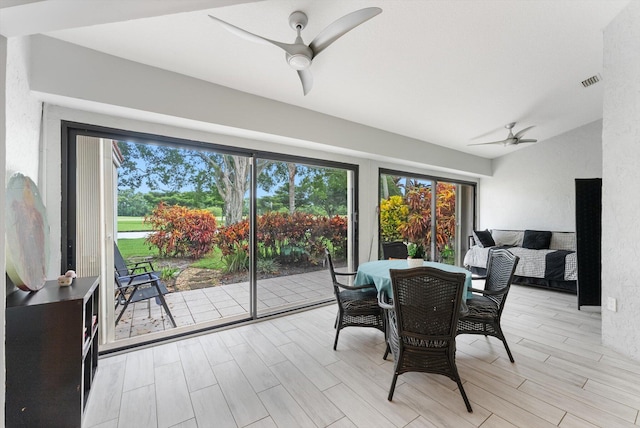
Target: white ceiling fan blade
(522,131)
(527,141)
(340,27)
(307,80)
(253,37)
(503,142)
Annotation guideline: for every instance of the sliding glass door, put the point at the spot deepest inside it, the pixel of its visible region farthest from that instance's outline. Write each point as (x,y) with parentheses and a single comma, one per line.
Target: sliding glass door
(225,236)
(435,213)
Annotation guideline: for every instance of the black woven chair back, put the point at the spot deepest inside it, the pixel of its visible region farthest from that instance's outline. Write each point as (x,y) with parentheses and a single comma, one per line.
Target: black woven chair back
(394,250)
(427,303)
(501,267)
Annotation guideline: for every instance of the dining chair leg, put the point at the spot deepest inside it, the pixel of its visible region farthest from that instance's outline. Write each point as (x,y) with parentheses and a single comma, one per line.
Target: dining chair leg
(386,352)
(504,341)
(393,386)
(338,328)
(464,395)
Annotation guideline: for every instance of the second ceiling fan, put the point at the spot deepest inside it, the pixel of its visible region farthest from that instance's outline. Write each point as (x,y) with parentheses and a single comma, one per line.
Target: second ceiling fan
(298,54)
(511,140)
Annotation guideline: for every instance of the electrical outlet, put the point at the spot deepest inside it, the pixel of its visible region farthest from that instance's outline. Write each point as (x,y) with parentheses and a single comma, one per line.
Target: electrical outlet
(612,304)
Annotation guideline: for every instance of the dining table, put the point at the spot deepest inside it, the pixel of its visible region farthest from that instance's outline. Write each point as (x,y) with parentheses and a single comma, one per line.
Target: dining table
(377,273)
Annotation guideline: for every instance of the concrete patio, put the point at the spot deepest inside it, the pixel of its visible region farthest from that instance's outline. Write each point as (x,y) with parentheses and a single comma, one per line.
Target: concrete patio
(218,302)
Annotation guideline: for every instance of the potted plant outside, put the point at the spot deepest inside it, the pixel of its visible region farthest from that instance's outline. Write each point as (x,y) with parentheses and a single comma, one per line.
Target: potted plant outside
(416,255)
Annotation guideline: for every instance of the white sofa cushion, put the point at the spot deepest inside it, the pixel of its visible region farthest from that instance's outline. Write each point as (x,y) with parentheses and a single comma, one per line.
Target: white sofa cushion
(507,237)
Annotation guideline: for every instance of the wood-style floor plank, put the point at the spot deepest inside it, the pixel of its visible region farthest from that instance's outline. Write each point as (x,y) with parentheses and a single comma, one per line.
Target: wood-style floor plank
(283,372)
(243,401)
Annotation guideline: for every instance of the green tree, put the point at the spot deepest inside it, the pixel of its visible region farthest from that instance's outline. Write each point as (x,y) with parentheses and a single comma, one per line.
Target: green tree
(322,191)
(165,168)
(132,203)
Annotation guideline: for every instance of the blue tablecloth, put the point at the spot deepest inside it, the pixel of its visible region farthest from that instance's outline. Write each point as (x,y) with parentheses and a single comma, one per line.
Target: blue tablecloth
(377,272)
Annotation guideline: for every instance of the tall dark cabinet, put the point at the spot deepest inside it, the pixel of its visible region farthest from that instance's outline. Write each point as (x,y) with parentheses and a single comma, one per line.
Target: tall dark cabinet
(51,353)
(588,240)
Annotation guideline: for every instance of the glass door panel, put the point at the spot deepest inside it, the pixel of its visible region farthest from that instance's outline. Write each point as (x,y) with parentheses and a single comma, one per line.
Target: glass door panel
(410,214)
(185,209)
(301,210)
(405,211)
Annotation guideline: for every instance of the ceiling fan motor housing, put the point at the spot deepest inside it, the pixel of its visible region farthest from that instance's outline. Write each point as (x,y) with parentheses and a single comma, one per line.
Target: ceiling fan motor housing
(298,20)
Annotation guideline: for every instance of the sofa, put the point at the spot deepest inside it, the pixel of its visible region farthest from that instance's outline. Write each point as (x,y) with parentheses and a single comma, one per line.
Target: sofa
(547,259)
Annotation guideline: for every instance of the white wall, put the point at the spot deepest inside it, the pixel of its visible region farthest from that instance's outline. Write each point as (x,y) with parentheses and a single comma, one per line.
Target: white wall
(533,188)
(23,113)
(3,162)
(621,182)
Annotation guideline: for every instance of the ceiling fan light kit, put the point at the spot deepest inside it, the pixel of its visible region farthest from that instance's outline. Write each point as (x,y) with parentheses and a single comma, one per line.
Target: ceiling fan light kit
(511,140)
(299,55)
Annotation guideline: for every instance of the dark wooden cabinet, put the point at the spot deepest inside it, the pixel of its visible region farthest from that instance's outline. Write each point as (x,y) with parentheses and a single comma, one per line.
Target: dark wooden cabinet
(588,240)
(51,353)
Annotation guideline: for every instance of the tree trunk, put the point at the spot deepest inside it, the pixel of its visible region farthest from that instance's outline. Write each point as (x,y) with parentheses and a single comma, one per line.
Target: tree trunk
(292,186)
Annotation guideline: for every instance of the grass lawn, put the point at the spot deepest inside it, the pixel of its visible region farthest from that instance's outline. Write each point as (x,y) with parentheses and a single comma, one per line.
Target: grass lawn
(135,248)
(132,224)
(213,260)
(138,248)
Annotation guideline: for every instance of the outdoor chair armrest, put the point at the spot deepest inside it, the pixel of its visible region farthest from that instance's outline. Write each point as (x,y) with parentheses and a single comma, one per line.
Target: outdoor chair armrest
(146,266)
(476,290)
(141,276)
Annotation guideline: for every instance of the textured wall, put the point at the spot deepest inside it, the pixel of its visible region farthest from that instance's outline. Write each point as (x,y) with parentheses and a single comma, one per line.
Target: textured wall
(533,188)
(621,182)
(22,114)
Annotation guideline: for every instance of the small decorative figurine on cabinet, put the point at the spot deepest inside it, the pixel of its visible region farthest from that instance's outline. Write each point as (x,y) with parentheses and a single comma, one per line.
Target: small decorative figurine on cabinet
(67,278)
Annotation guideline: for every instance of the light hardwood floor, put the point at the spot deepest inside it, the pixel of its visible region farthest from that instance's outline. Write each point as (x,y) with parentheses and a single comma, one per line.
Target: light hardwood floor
(284,373)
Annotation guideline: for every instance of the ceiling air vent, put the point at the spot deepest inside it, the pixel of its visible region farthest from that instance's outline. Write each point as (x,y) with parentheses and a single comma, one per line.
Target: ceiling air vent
(591,80)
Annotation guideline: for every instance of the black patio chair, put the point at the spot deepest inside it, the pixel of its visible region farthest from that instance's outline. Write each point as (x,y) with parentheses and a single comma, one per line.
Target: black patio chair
(137,282)
(394,250)
(485,307)
(422,322)
(357,305)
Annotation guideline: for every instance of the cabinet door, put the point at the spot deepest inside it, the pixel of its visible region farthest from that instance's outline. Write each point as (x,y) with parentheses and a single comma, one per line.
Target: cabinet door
(43,373)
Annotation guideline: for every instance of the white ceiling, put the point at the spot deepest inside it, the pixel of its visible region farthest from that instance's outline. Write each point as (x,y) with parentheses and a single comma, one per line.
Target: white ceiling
(446,72)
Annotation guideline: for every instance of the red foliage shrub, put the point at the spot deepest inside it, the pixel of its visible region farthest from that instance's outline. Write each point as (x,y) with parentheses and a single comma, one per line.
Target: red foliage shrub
(180,231)
(289,238)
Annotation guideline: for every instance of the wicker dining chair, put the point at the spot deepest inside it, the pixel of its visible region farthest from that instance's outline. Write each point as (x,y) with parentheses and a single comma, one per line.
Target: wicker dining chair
(394,250)
(485,307)
(357,305)
(422,322)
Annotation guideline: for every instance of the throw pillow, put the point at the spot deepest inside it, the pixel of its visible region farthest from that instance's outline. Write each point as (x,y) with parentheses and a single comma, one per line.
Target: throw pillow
(536,239)
(483,238)
(507,237)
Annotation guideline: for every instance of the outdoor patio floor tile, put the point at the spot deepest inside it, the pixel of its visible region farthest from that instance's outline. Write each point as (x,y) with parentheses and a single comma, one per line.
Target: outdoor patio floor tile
(225,304)
(233,310)
(206,316)
(277,301)
(201,308)
(206,304)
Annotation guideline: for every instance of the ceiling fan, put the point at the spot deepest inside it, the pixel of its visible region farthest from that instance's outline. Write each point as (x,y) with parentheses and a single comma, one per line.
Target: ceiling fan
(298,54)
(511,140)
